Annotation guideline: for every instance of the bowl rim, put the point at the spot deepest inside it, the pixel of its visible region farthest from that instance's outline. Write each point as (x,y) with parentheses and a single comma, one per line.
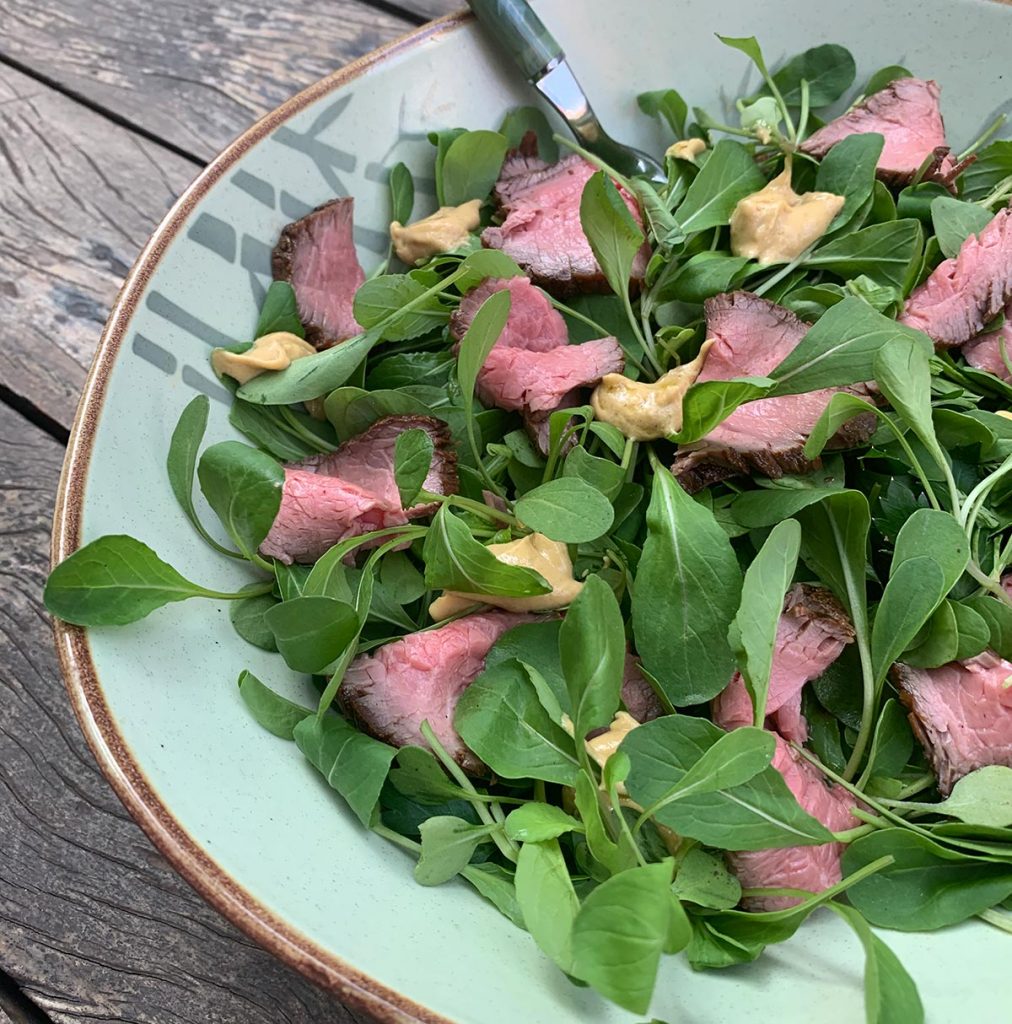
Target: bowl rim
(109,747)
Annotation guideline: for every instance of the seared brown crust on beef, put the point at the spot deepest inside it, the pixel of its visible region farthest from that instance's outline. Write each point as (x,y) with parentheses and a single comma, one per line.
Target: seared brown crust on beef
(906,113)
(316,255)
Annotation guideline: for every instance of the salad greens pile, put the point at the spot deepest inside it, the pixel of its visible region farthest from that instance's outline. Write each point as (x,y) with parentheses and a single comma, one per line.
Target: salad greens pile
(611,868)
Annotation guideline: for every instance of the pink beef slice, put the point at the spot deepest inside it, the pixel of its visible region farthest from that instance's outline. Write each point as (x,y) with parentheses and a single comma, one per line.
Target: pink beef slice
(533,323)
(536,382)
(420,677)
(328,498)
(541,231)
(319,511)
(907,115)
(752,336)
(809,868)
(316,255)
(637,694)
(964,293)
(984,351)
(367,460)
(812,633)
(961,713)
(538,425)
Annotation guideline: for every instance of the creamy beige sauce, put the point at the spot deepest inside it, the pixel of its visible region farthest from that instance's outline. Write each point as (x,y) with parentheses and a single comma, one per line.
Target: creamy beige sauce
(686,149)
(645,411)
(270,352)
(535,551)
(1005,413)
(776,224)
(442,231)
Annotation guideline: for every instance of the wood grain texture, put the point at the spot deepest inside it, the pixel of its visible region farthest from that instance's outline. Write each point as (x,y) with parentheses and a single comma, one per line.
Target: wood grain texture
(94,923)
(191,72)
(78,198)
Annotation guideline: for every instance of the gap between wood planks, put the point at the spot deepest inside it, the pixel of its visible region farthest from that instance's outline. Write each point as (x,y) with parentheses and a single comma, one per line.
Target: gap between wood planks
(16,1007)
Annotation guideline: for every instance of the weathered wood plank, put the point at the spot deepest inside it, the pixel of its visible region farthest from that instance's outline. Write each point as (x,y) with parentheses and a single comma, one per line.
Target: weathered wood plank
(430,8)
(94,924)
(78,198)
(191,72)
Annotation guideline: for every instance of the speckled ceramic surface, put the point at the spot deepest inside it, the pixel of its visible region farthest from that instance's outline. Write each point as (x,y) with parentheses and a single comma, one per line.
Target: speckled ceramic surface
(239,812)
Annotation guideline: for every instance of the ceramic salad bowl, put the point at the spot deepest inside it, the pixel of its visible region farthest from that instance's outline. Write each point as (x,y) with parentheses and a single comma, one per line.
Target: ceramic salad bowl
(239,813)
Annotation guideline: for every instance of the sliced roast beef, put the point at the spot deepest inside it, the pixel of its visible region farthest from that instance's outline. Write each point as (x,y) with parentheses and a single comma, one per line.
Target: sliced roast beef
(809,868)
(964,293)
(319,511)
(752,336)
(961,713)
(328,498)
(419,678)
(367,460)
(541,230)
(536,382)
(812,632)
(316,255)
(984,351)
(637,694)
(538,424)
(533,323)
(907,115)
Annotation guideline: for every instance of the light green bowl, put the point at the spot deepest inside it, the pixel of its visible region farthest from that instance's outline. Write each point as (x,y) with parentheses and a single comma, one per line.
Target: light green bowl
(240,813)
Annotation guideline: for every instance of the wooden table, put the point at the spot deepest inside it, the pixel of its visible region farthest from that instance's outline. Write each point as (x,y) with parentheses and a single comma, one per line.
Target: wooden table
(107,111)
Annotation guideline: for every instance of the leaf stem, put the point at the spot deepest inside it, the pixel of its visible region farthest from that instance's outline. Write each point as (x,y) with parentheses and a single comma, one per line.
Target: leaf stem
(470,505)
(506,845)
(397,839)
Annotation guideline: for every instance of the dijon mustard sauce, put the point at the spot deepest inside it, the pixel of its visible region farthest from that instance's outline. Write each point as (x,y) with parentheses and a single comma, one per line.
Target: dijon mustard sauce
(646,411)
(269,352)
(442,231)
(535,551)
(777,224)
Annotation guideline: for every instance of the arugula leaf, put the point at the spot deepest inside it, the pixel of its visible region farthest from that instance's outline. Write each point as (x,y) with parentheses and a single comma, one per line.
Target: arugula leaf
(442,140)
(754,815)
(848,170)
(521,120)
(500,718)
(889,992)
(495,883)
(547,900)
(841,348)
(842,408)
(888,253)
(984,797)
(955,220)
(828,69)
(247,618)
(115,580)
(592,651)
(279,312)
(892,743)
(454,560)
(412,460)
(998,617)
(727,177)
(668,105)
(992,166)
(243,486)
(754,631)
(379,304)
(536,822)
(611,230)
(448,843)
(567,509)
(708,404)
(620,933)
(686,593)
(285,433)
(698,278)
(927,886)
(354,764)
(311,632)
(471,166)
(402,193)
(309,377)
(702,878)
(881,78)
(275,713)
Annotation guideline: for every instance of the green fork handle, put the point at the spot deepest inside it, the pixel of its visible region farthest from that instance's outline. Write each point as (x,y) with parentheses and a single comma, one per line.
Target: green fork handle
(517,29)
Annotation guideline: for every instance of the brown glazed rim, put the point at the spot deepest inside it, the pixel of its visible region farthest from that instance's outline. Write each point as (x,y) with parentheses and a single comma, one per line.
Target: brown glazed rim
(93,713)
